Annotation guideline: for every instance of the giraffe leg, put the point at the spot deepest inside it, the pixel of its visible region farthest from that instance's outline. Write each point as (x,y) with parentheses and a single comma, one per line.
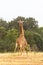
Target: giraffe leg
(21,49)
(15,47)
(27,49)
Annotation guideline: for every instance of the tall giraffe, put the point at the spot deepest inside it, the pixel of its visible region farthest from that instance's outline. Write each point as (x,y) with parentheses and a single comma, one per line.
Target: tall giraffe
(21,41)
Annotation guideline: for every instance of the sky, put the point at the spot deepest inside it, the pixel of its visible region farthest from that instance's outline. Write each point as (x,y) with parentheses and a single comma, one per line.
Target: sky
(10,9)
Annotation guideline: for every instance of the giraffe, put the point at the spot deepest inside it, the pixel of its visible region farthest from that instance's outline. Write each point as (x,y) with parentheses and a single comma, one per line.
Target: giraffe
(21,41)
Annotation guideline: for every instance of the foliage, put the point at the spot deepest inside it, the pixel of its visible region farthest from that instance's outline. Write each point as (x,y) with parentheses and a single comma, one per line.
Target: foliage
(9,32)
(11,37)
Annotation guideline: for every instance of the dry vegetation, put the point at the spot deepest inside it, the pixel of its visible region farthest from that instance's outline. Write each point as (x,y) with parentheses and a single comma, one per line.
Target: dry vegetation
(32,58)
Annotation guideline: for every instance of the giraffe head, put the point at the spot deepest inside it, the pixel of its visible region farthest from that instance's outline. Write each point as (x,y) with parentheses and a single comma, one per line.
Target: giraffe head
(20,22)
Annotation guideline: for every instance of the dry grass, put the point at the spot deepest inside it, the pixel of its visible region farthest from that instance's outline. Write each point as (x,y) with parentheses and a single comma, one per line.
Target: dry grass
(32,58)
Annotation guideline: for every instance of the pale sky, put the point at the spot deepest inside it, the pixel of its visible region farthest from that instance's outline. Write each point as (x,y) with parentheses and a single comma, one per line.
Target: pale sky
(10,9)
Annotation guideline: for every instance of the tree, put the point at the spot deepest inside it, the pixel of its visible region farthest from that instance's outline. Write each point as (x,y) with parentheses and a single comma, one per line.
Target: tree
(3,23)
(40,31)
(10,31)
(14,22)
(31,23)
(2,38)
(2,32)
(35,40)
(30,39)
(11,39)
(39,41)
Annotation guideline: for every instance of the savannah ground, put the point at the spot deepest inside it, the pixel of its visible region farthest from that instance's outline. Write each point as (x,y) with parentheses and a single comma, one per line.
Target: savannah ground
(32,58)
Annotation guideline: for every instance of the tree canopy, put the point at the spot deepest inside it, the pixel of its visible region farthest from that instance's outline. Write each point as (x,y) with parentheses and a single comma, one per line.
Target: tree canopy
(10,31)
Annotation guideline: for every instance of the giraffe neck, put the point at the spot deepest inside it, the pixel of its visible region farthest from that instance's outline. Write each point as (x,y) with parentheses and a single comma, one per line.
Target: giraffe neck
(21,30)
